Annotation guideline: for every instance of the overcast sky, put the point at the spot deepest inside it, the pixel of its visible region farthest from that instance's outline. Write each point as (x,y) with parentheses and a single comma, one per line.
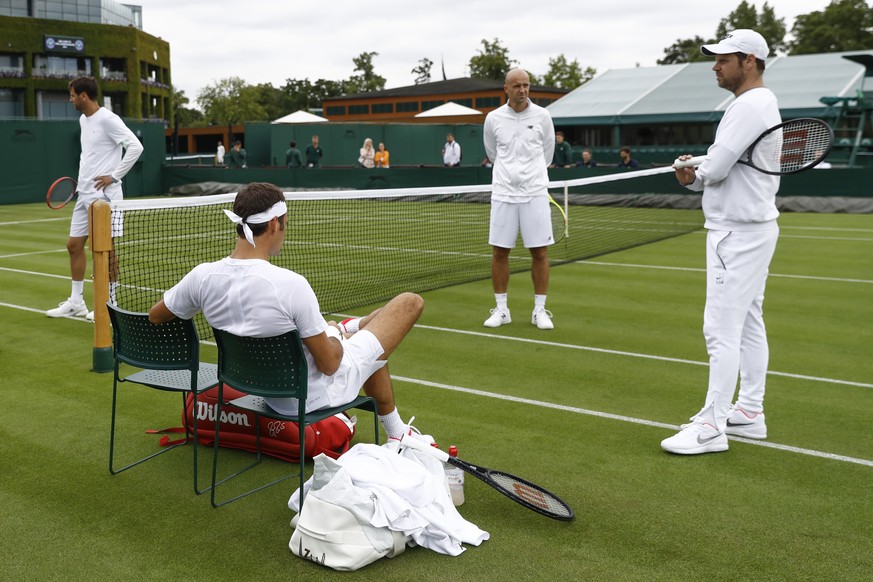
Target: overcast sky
(269,41)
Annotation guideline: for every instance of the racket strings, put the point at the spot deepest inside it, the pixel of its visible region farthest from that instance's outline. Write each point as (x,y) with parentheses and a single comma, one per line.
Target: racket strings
(531,495)
(804,143)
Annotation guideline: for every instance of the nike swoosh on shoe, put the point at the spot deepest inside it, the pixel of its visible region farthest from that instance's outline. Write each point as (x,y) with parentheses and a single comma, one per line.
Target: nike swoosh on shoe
(702,441)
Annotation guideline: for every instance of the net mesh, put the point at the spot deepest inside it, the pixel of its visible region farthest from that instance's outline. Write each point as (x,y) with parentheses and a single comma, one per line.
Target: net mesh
(358,248)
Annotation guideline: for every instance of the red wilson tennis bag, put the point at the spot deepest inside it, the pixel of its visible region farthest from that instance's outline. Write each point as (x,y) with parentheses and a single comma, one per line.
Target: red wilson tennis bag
(279,439)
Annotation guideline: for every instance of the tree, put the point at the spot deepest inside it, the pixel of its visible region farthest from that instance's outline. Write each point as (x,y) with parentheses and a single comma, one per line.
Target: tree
(685,50)
(368,80)
(746,16)
(844,25)
(184,116)
(566,75)
(492,62)
(231,101)
(422,71)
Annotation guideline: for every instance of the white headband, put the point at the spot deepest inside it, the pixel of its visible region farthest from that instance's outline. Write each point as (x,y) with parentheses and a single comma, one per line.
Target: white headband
(277,209)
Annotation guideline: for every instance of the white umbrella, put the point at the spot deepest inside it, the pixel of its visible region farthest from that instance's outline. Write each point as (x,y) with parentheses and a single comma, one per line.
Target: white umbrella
(300,117)
(450,109)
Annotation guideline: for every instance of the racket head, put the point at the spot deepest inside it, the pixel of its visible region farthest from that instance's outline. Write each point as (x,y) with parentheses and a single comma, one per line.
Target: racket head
(60,193)
(560,224)
(791,147)
(520,490)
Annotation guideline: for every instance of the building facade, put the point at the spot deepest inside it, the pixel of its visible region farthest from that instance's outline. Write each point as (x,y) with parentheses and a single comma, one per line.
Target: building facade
(402,104)
(46,43)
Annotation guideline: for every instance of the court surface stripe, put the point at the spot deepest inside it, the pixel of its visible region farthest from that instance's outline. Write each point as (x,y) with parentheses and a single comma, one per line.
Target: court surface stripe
(597,413)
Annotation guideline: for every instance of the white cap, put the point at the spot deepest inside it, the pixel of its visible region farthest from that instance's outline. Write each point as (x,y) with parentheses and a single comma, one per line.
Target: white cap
(741,40)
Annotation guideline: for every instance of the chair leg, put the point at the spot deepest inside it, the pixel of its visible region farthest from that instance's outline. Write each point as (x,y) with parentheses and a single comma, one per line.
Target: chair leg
(112,469)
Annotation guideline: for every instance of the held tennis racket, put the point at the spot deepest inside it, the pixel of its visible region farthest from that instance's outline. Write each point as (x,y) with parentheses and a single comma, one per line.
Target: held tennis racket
(787,148)
(560,224)
(60,193)
(519,490)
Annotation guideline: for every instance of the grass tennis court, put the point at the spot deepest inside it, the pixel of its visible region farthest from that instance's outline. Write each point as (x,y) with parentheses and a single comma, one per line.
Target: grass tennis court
(580,410)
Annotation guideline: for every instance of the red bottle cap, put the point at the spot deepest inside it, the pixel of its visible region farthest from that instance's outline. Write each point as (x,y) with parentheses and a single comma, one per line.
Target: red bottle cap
(453,451)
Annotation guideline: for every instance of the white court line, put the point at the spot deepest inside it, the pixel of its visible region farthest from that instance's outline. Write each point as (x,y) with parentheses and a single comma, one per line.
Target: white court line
(698,270)
(19,222)
(573,409)
(788,448)
(637,355)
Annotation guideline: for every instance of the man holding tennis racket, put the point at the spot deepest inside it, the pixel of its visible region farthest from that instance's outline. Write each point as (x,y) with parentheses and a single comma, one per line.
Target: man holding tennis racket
(248,296)
(520,140)
(101,168)
(740,211)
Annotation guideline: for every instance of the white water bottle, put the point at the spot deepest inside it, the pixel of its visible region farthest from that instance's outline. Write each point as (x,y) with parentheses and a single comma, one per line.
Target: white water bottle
(455,477)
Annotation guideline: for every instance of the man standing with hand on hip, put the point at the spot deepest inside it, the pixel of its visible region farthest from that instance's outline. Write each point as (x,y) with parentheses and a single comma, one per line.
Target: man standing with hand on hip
(520,139)
(740,211)
(101,168)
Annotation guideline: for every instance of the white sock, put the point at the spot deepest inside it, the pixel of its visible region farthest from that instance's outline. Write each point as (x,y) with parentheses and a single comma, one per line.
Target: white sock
(392,424)
(78,291)
(500,298)
(539,302)
(351,325)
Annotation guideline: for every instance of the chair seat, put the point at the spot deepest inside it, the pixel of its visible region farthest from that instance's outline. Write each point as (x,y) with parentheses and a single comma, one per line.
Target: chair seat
(257,405)
(177,380)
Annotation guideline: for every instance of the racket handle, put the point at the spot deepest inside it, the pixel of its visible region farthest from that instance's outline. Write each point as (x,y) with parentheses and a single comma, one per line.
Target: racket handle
(689,163)
(413,443)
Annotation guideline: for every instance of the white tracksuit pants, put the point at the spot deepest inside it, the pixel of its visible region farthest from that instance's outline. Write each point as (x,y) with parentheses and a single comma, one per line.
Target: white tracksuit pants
(737,264)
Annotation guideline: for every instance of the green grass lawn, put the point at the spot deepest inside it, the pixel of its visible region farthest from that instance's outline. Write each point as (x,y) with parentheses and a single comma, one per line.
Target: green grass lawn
(580,409)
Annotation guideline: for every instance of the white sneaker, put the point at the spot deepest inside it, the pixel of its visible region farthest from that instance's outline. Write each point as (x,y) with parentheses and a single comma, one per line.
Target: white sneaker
(542,318)
(90,317)
(498,317)
(696,438)
(68,308)
(746,424)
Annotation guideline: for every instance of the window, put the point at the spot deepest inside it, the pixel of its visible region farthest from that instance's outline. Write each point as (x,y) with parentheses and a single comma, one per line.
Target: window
(425,105)
(336,110)
(464,102)
(383,108)
(487,102)
(359,109)
(11,103)
(11,65)
(407,106)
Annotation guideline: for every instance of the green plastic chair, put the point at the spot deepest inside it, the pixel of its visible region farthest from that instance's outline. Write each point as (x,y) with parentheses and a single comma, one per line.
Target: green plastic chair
(168,355)
(269,367)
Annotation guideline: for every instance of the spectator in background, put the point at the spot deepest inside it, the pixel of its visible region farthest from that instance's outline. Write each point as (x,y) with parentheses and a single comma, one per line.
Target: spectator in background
(626,160)
(451,152)
(563,157)
(314,153)
(237,156)
(219,154)
(382,157)
(587,160)
(293,157)
(367,154)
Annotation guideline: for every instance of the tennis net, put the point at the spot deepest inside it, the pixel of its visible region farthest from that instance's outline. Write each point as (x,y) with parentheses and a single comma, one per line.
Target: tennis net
(357,248)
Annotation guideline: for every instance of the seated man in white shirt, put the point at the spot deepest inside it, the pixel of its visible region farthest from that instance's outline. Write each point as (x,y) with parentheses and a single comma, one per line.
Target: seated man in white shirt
(246,295)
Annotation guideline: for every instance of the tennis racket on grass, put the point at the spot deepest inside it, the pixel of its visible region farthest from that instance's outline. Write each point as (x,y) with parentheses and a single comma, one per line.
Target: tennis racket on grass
(560,224)
(519,490)
(60,193)
(805,143)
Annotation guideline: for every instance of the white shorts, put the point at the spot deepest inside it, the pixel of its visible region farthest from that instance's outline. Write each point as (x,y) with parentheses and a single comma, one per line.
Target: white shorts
(79,223)
(532,218)
(361,354)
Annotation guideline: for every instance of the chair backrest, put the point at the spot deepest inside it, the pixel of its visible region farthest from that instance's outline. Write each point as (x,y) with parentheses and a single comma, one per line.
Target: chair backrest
(173,345)
(263,366)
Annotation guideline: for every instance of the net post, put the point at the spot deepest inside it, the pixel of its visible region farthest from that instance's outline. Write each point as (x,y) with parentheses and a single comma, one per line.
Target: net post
(567,210)
(100,225)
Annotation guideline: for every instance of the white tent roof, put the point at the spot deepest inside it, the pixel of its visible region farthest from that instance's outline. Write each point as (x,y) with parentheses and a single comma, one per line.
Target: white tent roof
(300,117)
(449,109)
